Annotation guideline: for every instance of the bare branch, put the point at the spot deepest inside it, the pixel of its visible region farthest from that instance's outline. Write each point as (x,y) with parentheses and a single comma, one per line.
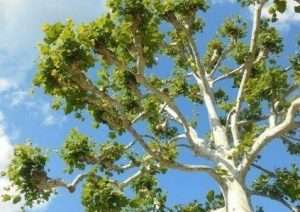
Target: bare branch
(131,144)
(271,174)
(237,70)
(190,168)
(130,179)
(71,186)
(172,165)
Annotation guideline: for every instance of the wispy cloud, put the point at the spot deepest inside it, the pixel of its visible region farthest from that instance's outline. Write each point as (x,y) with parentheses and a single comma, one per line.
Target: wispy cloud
(5,157)
(285,21)
(288,18)
(21,22)
(6,153)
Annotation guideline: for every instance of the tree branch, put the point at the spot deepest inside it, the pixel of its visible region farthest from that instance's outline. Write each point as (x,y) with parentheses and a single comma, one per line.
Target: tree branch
(130,179)
(263,139)
(55,183)
(247,69)
(239,69)
(221,58)
(271,174)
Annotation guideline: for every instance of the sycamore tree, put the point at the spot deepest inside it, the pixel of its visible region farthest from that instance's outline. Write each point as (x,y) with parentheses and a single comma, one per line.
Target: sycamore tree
(109,69)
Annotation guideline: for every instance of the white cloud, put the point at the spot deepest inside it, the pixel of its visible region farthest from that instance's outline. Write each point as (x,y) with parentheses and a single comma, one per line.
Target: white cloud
(49,117)
(288,18)
(21,22)
(6,85)
(6,153)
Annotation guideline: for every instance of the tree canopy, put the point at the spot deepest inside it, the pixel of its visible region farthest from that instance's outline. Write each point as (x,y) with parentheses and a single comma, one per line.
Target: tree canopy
(109,70)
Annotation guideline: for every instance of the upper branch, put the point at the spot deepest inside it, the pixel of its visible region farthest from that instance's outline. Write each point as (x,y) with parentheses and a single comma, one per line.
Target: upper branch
(247,70)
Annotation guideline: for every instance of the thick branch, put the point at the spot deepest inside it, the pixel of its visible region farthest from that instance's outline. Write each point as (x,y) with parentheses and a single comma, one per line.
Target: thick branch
(262,140)
(70,186)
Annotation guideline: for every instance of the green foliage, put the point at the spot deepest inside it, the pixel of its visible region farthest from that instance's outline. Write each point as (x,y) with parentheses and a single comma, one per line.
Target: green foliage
(127,92)
(240,52)
(166,151)
(214,50)
(270,84)
(109,153)
(77,150)
(213,201)
(293,146)
(279,6)
(147,190)
(233,28)
(100,194)
(247,141)
(270,39)
(26,172)
(283,183)
(295,63)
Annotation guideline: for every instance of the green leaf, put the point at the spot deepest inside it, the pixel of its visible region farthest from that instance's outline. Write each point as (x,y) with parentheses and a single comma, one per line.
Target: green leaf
(210,196)
(6,197)
(16,199)
(297,9)
(280,5)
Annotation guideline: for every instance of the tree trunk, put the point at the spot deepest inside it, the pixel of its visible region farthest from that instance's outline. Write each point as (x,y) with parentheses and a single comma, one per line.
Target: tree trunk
(236,197)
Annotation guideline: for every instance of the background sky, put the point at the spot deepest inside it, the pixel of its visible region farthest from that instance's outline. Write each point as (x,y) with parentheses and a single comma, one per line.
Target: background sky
(27,115)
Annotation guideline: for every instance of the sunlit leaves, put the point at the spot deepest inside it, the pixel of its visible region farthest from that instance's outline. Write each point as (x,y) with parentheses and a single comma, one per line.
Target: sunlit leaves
(213,201)
(147,191)
(143,32)
(27,173)
(269,85)
(283,183)
(77,149)
(233,28)
(100,194)
(270,39)
(295,63)
(278,6)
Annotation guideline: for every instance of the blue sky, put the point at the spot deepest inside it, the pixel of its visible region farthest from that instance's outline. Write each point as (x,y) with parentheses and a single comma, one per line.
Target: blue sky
(27,115)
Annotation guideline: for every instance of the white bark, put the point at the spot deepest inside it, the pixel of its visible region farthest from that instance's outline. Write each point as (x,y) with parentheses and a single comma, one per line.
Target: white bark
(237,199)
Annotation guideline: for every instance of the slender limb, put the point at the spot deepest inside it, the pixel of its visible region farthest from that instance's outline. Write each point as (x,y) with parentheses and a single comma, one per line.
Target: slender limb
(130,179)
(220,59)
(138,117)
(131,144)
(291,138)
(237,70)
(279,199)
(263,170)
(261,118)
(246,73)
